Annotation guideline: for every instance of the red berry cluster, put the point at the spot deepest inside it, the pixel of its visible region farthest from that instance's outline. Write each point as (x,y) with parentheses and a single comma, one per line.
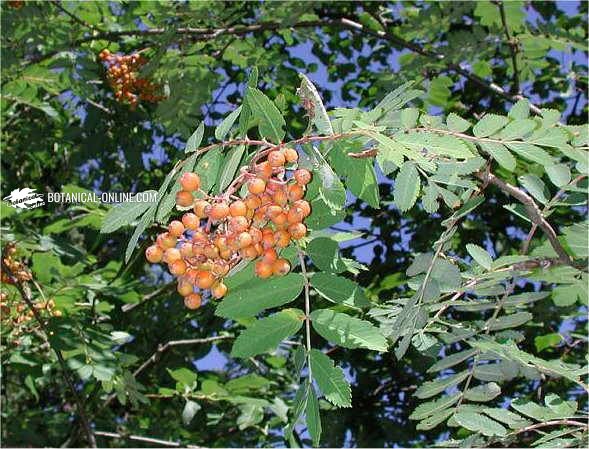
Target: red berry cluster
(257,226)
(123,77)
(16,4)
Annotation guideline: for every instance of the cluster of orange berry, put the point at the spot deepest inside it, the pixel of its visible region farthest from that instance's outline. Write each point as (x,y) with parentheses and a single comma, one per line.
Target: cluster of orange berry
(19,270)
(257,226)
(123,77)
(12,310)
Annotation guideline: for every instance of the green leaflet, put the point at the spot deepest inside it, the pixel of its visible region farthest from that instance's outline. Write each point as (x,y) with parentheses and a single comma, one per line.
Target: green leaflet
(125,213)
(195,139)
(489,124)
(535,186)
(266,334)
(407,184)
(308,92)
(516,129)
(437,144)
(143,224)
(500,154)
(330,379)
(347,331)
(449,361)
(229,167)
(325,255)
(483,393)
(270,121)
(339,290)
(312,415)
(457,123)
(480,423)
(531,152)
(504,416)
(434,387)
(559,174)
(480,255)
(225,126)
(426,409)
(256,295)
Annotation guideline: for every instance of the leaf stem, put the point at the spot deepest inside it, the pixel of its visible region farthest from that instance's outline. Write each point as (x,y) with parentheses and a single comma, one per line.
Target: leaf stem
(307,309)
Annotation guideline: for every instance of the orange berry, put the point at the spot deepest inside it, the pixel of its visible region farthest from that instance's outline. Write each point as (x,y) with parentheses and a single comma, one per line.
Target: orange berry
(304,206)
(273,210)
(291,155)
(280,197)
(256,234)
(219,290)
(154,254)
(165,240)
(295,192)
(268,239)
(276,158)
(256,186)
(177,268)
(201,208)
(294,215)
(270,255)
(249,252)
(186,250)
(280,267)
(238,224)
(264,170)
(176,228)
(279,219)
(193,301)
(184,198)
(190,221)
(302,176)
(190,182)
(244,239)
(204,279)
(252,202)
(185,288)
(297,230)
(226,254)
(274,184)
(263,270)
(219,211)
(171,255)
(238,208)
(282,238)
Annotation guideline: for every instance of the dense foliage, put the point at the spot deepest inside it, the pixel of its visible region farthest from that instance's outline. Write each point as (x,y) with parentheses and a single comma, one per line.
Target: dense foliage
(440,295)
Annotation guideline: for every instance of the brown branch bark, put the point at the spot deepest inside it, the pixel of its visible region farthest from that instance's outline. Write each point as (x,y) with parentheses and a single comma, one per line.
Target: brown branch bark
(534,212)
(25,293)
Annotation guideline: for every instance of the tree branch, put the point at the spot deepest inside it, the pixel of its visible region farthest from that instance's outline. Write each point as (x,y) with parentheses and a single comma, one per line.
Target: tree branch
(25,293)
(143,439)
(163,348)
(535,215)
(512,47)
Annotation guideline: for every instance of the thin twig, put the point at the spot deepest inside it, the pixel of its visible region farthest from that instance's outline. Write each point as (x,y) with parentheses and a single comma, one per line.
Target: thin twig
(25,293)
(146,298)
(143,439)
(534,213)
(512,46)
(559,422)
